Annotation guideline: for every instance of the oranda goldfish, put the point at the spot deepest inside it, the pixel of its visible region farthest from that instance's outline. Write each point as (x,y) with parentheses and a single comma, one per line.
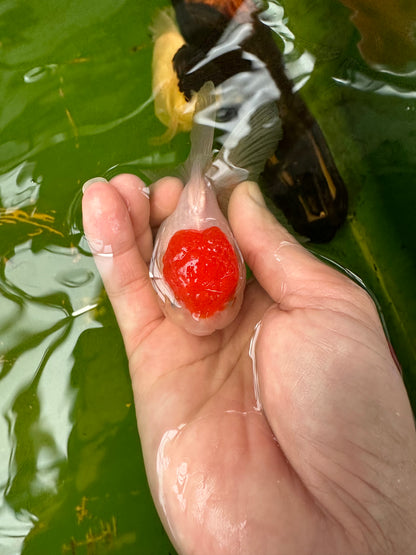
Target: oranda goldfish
(197,268)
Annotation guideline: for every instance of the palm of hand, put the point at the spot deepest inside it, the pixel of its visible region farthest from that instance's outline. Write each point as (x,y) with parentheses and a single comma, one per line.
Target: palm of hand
(221,480)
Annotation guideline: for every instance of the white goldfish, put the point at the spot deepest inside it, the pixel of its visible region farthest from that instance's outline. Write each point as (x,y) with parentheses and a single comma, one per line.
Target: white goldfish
(197,268)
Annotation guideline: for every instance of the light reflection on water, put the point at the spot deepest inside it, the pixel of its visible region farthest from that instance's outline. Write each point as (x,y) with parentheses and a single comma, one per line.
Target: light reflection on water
(362,82)
(41,292)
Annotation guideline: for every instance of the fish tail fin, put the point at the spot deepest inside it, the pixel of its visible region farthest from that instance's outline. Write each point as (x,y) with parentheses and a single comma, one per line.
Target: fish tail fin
(246,160)
(202,132)
(163,22)
(246,147)
(251,152)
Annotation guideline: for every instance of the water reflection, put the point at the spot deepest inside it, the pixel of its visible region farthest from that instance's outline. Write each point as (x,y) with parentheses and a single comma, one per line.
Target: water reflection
(17,187)
(38,73)
(362,82)
(273,15)
(41,293)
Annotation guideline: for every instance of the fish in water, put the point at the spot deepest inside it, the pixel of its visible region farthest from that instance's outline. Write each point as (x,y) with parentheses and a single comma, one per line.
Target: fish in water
(301,177)
(171,107)
(197,268)
(387,29)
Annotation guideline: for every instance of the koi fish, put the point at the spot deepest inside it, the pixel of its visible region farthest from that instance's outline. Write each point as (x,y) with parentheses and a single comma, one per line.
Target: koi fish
(197,268)
(301,177)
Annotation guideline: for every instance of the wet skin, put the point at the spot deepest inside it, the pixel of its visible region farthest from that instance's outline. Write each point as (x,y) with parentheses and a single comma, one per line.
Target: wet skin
(328,466)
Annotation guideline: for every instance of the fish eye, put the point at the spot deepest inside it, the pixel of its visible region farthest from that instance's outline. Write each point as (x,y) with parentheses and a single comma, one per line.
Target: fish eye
(227,113)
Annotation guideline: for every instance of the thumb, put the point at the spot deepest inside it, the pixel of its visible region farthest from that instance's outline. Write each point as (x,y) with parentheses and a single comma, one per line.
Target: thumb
(279,262)
(328,385)
(288,272)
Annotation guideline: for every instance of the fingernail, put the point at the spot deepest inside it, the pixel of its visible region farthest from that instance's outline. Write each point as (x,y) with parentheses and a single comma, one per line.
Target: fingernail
(146,191)
(91,181)
(255,193)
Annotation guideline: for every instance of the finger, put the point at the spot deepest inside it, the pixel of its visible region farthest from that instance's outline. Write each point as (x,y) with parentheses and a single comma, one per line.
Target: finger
(163,199)
(136,198)
(291,275)
(278,261)
(112,238)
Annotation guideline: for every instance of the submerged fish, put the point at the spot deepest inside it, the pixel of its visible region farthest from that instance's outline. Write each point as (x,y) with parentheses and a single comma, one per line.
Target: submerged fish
(171,107)
(197,268)
(387,29)
(301,178)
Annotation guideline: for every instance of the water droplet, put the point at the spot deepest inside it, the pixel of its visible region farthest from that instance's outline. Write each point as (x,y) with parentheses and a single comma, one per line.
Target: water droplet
(37,73)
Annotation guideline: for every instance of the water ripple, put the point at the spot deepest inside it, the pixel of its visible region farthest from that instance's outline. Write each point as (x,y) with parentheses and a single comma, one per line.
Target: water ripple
(37,73)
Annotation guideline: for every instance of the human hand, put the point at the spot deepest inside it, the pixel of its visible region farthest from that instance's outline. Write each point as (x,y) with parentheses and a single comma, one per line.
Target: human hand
(328,465)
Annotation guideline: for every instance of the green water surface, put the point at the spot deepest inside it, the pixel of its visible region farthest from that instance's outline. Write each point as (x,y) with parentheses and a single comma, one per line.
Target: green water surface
(75,90)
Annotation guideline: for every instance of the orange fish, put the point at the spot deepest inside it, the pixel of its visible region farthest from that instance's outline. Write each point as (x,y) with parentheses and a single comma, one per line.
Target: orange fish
(387,29)
(227,7)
